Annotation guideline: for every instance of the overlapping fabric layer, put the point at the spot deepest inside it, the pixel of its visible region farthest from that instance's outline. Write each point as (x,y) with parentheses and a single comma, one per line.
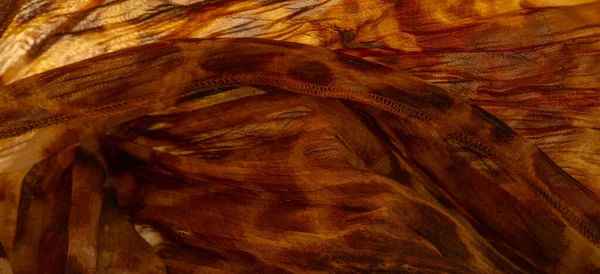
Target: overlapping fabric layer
(248,155)
(530,63)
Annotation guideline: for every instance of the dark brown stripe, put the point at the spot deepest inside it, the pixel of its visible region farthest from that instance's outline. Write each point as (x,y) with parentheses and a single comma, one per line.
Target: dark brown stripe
(312,72)
(360,64)
(501,132)
(8,10)
(441,232)
(271,43)
(32,9)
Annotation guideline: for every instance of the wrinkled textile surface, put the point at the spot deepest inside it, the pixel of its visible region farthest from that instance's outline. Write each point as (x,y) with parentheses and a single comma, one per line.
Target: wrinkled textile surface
(299,136)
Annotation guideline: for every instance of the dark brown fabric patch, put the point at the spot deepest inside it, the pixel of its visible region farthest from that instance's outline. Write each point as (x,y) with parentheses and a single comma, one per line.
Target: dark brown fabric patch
(312,72)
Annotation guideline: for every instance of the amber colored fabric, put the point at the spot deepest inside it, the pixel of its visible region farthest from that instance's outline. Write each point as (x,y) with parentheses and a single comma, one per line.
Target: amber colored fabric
(299,136)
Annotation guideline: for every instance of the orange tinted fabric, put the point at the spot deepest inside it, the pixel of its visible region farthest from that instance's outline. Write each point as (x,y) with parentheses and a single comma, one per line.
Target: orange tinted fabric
(351,137)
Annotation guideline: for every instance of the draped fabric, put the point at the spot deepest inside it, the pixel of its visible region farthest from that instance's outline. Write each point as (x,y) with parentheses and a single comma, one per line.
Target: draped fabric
(175,136)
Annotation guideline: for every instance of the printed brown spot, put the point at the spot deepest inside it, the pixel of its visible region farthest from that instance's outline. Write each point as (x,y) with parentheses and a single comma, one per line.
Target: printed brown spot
(23,89)
(348,37)
(440,231)
(501,132)
(360,64)
(436,97)
(232,62)
(312,72)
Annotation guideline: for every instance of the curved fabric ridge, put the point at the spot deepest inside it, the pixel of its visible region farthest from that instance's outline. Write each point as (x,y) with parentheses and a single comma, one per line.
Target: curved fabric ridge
(51,111)
(526,62)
